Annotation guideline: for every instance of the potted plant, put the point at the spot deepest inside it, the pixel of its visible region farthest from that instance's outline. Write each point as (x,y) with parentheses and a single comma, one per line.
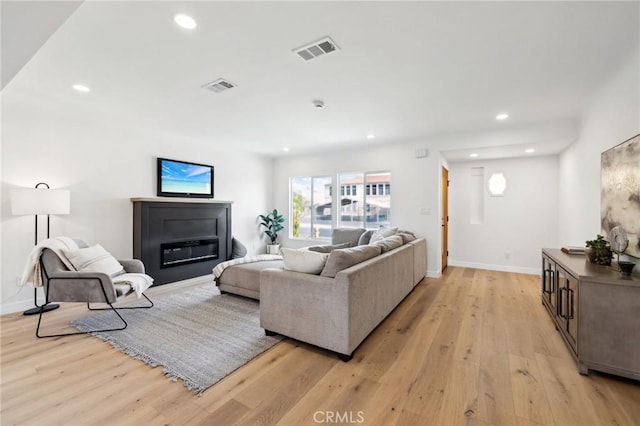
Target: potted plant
(273,223)
(599,251)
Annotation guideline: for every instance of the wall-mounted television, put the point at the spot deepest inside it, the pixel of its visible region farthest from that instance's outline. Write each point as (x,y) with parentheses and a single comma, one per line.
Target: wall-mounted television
(184,179)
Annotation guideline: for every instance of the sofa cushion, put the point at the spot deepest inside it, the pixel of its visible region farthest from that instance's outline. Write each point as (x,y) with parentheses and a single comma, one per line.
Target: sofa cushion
(340,259)
(309,262)
(94,259)
(328,248)
(237,249)
(365,237)
(381,233)
(406,236)
(347,235)
(389,243)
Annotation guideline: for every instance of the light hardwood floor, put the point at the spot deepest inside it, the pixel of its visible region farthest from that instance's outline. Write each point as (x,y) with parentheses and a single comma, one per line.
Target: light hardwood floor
(474,347)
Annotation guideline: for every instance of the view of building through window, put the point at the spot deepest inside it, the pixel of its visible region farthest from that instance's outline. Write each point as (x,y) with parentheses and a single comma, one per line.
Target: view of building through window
(364,201)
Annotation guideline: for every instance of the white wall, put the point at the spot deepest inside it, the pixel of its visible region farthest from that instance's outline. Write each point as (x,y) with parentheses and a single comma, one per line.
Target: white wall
(516,226)
(614,116)
(104,163)
(414,182)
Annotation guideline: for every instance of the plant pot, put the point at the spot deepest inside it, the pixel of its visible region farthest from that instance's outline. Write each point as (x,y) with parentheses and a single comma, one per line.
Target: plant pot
(273,248)
(626,268)
(601,256)
(590,254)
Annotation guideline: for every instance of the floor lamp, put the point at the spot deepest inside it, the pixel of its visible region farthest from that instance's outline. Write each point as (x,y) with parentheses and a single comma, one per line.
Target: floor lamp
(37,201)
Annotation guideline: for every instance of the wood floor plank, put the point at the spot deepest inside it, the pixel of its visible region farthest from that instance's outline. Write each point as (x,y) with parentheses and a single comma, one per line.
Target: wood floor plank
(474,347)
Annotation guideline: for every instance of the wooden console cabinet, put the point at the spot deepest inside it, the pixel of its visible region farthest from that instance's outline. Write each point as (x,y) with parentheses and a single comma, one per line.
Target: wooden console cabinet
(596,311)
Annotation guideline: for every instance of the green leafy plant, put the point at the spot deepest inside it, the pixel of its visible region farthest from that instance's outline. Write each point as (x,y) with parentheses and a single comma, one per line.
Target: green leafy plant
(601,250)
(273,223)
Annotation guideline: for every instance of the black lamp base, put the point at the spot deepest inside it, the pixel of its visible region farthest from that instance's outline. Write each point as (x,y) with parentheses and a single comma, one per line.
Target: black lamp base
(46,308)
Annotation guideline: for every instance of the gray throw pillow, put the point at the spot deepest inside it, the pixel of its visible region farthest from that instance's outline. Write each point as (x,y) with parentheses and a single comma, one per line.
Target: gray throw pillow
(340,259)
(237,249)
(365,237)
(406,237)
(328,248)
(346,235)
(389,243)
(382,232)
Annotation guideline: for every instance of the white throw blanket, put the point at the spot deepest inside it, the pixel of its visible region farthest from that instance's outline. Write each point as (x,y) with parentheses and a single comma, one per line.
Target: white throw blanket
(32,274)
(139,282)
(220,267)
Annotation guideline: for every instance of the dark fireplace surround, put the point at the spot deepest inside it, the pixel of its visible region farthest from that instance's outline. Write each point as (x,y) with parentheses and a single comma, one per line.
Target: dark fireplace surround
(180,239)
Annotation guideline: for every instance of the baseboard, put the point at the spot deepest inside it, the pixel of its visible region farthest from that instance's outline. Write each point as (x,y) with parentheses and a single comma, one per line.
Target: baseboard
(19,306)
(501,268)
(434,274)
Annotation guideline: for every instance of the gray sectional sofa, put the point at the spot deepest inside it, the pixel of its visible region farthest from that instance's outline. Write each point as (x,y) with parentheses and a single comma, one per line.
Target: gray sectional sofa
(338,308)
(338,313)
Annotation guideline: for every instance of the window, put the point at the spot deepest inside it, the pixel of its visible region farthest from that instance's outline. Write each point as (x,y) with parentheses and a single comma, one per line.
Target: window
(369,208)
(364,202)
(311,211)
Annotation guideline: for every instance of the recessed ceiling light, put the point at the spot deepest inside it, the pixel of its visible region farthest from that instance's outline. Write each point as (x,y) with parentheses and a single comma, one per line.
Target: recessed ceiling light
(530,150)
(371,136)
(81,88)
(473,155)
(185,21)
(502,116)
(285,149)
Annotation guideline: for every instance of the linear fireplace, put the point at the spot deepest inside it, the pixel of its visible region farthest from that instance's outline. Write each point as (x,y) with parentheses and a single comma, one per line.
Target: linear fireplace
(177,239)
(190,251)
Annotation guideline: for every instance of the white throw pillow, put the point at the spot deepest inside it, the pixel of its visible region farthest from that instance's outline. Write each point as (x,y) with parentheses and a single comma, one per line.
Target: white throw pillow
(382,233)
(309,262)
(94,259)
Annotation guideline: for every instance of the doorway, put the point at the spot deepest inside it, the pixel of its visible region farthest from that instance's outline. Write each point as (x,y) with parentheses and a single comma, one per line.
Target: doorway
(445,218)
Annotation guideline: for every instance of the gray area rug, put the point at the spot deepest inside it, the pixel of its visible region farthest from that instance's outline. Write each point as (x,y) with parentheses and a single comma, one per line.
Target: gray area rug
(198,335)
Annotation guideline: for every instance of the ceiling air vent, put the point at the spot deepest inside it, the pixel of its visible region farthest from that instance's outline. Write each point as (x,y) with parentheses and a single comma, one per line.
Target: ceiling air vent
(317,48)
(219,85)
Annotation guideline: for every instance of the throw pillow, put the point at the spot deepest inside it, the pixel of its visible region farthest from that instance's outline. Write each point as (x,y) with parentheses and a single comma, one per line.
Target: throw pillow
(340,259)
(328,248)
(365,237)
(94,259)
(381,233)
(309,262)
(406,237)
(237,249)
(346,235)
(389,243)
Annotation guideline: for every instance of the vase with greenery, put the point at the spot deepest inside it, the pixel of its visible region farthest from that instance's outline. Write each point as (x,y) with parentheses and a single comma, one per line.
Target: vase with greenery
(273,223)
(600,250)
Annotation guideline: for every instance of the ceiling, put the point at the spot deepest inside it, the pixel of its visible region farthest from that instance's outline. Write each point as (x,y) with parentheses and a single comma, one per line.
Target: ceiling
(404,71)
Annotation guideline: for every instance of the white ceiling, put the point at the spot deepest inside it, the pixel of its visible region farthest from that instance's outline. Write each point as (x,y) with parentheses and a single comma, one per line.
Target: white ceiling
(406,71)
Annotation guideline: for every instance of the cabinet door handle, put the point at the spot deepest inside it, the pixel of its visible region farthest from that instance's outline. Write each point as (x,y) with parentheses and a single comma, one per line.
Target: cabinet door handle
(560,303)
(571,302)
(564,307)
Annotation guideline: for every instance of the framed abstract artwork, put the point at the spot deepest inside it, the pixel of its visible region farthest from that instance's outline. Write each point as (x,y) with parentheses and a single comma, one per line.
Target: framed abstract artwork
(620,191)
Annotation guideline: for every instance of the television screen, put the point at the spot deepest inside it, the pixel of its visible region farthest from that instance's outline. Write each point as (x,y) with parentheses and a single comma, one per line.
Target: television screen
(184,179)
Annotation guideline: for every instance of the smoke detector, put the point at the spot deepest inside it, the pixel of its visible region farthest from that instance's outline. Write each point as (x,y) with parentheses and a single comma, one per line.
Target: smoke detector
(317,48)
(318,103)
(219,85)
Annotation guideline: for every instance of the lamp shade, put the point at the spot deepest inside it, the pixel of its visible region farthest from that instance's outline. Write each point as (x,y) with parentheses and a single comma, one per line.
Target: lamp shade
(40,201)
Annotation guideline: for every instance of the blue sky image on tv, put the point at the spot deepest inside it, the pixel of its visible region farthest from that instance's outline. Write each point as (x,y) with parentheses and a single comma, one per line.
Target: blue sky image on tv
(185,178)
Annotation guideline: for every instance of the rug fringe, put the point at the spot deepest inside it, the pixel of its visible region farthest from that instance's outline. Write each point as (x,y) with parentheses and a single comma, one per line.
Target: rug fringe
(170,374)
